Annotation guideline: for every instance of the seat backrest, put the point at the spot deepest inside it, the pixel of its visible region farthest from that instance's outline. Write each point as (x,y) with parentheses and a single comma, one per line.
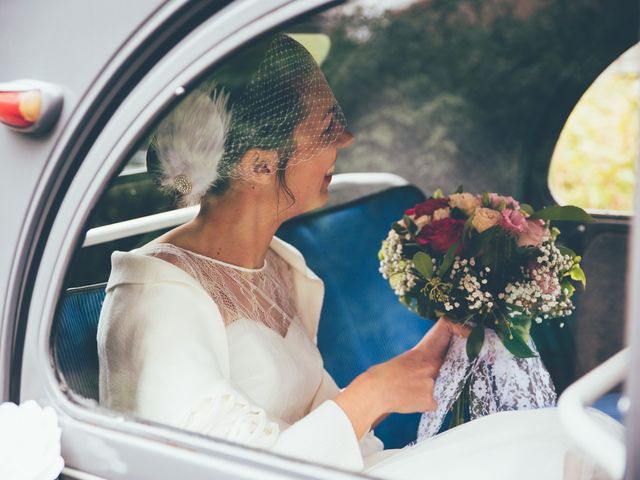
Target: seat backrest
(362,322)
(75,345)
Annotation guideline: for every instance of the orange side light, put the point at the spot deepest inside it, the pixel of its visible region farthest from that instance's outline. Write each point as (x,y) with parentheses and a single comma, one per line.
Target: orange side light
(20,109)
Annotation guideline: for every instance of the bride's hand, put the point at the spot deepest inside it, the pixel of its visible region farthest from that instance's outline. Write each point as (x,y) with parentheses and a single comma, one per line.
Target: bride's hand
(436,341)
(403,384)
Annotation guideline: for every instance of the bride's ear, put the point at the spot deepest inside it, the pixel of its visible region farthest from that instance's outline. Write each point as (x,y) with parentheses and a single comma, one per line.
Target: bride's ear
(259,165)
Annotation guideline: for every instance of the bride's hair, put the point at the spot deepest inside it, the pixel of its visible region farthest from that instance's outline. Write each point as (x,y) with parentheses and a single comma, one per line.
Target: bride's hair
(257,99)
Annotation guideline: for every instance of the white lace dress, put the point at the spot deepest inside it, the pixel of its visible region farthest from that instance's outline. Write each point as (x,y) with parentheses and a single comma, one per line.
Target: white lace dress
(260,317)
(275,392)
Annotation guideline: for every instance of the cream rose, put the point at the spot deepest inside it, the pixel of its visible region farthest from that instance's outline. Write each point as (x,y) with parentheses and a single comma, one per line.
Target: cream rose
(422,221)
(441,214)
(485,218)
(465,202)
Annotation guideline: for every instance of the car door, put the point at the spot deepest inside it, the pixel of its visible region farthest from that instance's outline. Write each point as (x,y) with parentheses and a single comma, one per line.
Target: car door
(97,441)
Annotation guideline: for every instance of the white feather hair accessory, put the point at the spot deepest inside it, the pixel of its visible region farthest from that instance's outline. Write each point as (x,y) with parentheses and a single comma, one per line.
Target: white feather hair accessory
(190,141)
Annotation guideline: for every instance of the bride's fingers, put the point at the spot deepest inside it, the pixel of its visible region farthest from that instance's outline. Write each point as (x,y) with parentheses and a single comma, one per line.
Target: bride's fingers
(458,329)
(461,330)
(430,405)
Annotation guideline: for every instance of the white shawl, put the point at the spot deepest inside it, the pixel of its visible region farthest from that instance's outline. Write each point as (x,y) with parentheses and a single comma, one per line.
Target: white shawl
(164,357)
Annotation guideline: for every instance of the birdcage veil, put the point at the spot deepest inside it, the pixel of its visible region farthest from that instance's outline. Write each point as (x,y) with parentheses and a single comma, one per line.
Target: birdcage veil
(282,102)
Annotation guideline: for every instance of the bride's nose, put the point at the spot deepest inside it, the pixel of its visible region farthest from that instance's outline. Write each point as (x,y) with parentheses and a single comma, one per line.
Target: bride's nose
(345,139)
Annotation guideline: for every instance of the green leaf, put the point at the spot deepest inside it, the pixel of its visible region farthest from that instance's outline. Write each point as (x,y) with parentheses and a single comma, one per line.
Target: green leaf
(516,345)
(566,284)
(395,279)
(565,250)
(514,333)
(578,275)
(486,201)
(447,261)
(399,229)
(528,209)
(424,264)
(411,226)
(459,189)
(466,230)
(475,341)
(567,213)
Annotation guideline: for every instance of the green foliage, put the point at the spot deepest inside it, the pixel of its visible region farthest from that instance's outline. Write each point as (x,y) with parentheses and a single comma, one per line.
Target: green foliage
(563,213)
(445,92)
(475,341)
(514,333)
(423,264)
(576,273)
(447,261)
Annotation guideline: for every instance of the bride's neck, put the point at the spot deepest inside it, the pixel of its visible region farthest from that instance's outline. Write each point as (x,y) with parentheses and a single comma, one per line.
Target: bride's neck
(235,228)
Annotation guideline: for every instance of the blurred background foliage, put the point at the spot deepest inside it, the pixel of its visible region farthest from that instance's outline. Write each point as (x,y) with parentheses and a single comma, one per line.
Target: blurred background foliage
(459,92)
(451,92)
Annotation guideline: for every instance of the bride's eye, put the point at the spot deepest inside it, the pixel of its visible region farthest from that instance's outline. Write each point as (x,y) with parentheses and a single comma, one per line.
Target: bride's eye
(329,129)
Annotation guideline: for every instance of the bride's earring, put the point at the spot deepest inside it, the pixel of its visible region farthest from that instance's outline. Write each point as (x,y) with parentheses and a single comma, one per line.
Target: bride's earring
(261,167)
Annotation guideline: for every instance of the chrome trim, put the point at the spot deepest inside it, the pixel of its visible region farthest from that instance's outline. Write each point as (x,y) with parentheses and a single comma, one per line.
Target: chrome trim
(71,473)
(588,434)
(367,178)
(137,226)
(159,221)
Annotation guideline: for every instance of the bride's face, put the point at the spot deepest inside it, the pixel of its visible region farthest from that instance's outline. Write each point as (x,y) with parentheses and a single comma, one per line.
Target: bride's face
(318,138)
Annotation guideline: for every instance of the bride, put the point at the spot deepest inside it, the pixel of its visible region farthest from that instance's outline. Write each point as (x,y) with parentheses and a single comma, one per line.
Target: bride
(211,327)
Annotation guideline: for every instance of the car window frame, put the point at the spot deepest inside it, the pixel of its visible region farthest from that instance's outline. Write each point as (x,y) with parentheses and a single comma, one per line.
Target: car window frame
(191,57)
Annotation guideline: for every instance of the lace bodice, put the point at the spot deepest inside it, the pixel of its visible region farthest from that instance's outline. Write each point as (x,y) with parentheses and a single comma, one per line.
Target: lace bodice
(267,343)
(262,295)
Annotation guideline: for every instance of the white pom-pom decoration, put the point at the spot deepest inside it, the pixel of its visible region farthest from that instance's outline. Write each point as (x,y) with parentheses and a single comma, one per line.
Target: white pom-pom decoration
(29,442)
(190,144)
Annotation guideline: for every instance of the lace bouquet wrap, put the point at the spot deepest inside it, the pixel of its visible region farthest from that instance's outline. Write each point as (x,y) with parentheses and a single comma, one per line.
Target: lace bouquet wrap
(493,264)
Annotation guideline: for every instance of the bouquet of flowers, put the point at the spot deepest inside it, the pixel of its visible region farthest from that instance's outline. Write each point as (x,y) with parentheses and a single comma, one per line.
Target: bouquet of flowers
(493,264)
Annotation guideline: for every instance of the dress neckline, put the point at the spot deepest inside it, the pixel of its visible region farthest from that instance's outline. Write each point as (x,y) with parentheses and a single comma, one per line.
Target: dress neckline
(215,260)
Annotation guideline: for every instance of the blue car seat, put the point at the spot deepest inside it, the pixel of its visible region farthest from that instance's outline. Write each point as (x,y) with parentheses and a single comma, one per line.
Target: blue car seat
(362,322)
(75,347)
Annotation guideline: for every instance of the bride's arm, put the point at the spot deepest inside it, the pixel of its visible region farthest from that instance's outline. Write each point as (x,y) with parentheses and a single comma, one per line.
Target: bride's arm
(169,347)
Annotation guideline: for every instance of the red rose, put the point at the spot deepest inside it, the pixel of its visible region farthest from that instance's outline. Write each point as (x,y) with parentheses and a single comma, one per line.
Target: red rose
(441,234)
(428,207)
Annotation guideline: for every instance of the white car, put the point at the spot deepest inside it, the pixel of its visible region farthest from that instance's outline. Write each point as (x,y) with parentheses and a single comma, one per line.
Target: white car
(438,93)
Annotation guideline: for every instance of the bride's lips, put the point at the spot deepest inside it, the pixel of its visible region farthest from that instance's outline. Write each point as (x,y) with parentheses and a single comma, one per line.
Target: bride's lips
(329,175)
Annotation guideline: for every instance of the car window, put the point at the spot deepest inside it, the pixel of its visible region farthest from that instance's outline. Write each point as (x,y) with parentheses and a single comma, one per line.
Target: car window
(441,94)
(594,161)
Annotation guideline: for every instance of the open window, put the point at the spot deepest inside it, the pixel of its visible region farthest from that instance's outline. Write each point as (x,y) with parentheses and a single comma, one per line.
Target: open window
(594,162)
(435,93)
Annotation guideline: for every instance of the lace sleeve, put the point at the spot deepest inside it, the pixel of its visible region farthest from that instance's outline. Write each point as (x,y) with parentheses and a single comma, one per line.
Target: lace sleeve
(225,413)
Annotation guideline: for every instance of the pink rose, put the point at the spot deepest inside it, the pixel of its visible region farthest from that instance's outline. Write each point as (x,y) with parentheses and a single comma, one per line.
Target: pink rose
(513,221)
(534,234)
(509,202)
